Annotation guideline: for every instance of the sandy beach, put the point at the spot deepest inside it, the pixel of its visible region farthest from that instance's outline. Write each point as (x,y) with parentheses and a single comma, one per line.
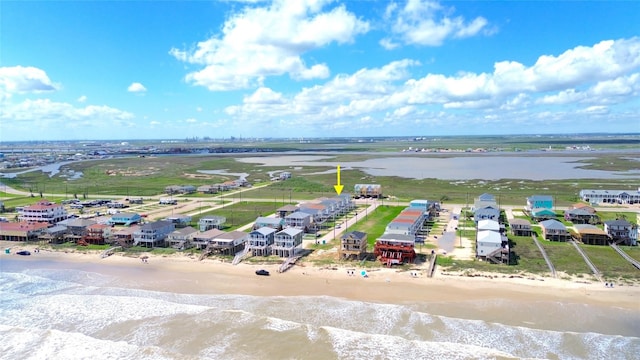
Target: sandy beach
(187,275)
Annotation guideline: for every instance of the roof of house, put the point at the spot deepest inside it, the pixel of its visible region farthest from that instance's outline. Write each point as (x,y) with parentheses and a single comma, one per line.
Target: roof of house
(488,225)
(579,212)
(618,222)
(288,207)
(489,236)
(209,234)
(397,237)
(263,231)
(290,231)
(589,229)
(233,235)
(23,226)
(77,222)
(355,234)
(542,211)
(156,225)
(184,231)
(298,215)
(553,224)
(519,222)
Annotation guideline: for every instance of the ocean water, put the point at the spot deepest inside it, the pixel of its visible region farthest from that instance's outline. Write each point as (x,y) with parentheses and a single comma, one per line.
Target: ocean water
(57,313)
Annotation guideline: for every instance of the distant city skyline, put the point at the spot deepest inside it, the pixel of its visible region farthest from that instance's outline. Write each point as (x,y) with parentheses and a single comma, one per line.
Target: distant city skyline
(118,70)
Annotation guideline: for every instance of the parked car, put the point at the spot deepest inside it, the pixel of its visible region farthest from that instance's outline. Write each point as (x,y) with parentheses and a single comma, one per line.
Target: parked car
(23,252)
(262,272)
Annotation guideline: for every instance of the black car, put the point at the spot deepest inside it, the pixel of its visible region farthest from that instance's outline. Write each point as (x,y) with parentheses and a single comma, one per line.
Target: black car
(262,272)
(23,252)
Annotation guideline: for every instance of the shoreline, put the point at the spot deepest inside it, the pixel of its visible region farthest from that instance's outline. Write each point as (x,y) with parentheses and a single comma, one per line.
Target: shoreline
(188,275)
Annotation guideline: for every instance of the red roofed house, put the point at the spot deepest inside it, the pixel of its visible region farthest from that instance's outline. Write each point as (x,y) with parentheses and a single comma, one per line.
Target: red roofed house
(43,211)
(21,231)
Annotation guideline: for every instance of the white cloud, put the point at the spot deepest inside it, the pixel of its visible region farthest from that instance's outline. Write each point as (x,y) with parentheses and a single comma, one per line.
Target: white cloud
(513,92)
(45,109)
(191,120)
(426,22)
(257,42)
(22,80)
(82,99)
(136,87)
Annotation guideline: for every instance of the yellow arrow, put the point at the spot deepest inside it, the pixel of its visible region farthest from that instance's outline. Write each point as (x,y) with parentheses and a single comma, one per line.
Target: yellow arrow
(338,187)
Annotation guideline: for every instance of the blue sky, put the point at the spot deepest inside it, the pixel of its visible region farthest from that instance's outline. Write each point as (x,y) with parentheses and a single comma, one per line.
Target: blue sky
(316,68)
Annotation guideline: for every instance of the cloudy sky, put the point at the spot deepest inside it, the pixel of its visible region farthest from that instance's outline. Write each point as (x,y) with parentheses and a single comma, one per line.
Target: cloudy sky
(316,68)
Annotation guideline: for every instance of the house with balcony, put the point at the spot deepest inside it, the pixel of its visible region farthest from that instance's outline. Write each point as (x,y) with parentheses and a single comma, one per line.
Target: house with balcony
(286,242)
(492,246)
(353,245)
(202,239)
(124,236)
(610,196)
(211,222)
(126,219)
(521,227)
(298,220)
(591,235)
(261,240)
(395,249)
(43,211)
(554,230)
(581,216)
(180,238)
(228,243)
(539,202)
(367,191)
(621,232)
(179,221)
(97,234)
(153,234)
(486,211)
(22,231)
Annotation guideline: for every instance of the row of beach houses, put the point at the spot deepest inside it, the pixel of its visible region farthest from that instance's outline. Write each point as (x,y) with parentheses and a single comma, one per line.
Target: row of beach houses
(491,236)
(282,234)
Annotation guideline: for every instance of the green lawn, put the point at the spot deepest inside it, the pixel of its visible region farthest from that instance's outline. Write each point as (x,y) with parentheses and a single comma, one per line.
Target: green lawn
(610,263)
(565,257)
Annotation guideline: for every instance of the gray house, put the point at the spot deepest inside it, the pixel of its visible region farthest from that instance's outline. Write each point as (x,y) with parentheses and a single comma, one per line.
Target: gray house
(554,230)
(261,241)
(181,238)
(287,241)
(153,234)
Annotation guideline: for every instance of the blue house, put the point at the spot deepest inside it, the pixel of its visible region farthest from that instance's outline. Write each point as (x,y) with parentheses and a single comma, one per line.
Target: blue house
(125,219)
(540,202)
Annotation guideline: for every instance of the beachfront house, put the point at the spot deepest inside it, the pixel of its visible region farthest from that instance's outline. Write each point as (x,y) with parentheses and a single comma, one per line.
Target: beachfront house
(42,211)
(97,234)
(298,220)
(126,219)
(202,239)
(261,240)
(124,236)
(21,231)
(554,230)
(492,246)
(591,235)
(520,227)
(211,222)
(394,249)
(208,189)
(353,244)
(228,243)
(286,242)
(621,231)
(153,234)
(54,234)
(180,239)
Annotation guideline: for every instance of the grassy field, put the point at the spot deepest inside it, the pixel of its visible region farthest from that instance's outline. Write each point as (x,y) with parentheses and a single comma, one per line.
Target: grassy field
(611,264)
(565,258)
